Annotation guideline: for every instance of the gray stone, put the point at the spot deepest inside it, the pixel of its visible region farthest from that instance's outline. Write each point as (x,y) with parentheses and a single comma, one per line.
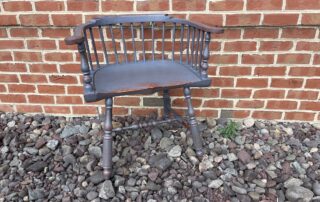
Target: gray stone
(97,177)
(52,144)
(243,156)
(165,143)
(66,149)
(316,188)
(11,124)
(175,151)
(205,164)
(69,131)
(118,180)
(95,151)
(69,159)
(92,195)
(289,131)
(296,193)
(254,196)
(31,150)
(249,122)
(260,183)
(160,161)
(298,168)
(37,166)
(316,125)
(240,140)
(44,151)
(232,157)
(147,143)
(292,182)
(238,190)
(36,194)
(156,134)
(215,184)
(264,131)
(107,190)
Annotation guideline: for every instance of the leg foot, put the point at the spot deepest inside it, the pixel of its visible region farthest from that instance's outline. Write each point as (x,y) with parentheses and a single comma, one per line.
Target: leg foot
(166,103)
(194,129)
(107,141)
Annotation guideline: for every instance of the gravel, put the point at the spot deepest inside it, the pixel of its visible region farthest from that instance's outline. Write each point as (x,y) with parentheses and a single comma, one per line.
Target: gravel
(47,158)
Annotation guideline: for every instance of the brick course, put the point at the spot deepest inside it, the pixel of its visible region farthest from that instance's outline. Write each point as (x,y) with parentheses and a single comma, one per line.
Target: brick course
(265,65)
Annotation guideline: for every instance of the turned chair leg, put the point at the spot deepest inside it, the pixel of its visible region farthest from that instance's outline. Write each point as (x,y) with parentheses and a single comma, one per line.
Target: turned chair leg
(107,140)
(166,103)
(194,129)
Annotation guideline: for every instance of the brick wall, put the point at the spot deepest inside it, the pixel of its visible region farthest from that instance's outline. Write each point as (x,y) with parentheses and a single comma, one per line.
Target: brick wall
(265,65)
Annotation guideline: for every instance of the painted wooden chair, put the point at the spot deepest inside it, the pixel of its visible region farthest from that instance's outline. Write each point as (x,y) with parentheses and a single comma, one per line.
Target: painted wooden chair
(136,54)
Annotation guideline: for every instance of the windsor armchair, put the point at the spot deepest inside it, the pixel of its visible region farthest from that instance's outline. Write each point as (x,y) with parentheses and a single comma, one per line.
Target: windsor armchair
(122,55)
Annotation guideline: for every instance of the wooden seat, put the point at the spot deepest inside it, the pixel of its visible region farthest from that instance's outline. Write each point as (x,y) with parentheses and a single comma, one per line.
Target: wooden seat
(119,79)
(122,55)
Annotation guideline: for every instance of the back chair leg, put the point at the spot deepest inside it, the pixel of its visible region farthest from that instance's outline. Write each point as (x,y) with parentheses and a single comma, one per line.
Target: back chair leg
(195,132)
(166,103)
(107,140)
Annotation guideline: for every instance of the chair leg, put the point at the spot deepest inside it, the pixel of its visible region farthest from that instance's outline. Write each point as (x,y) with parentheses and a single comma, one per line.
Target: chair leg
(166,103)
(195,132)
(107,140)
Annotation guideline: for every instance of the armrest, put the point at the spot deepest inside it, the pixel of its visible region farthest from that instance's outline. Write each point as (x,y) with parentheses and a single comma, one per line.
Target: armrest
(206,28)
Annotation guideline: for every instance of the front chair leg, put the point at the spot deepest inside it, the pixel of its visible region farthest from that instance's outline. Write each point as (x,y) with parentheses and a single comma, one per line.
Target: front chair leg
(166,103)
(107,140)
(195,132)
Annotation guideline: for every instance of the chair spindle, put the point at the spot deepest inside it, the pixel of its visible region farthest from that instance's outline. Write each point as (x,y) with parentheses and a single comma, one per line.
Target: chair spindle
(142,36)
(88,49)
(103,45)
(173,39)
(133,43)
(181,42)
(124,43)
(114,44)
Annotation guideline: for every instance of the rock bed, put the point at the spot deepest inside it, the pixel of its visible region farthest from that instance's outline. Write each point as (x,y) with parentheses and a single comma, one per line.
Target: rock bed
(58,159)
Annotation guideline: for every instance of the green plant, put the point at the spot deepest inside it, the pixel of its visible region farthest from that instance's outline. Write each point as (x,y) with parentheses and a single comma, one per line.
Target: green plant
(230,130)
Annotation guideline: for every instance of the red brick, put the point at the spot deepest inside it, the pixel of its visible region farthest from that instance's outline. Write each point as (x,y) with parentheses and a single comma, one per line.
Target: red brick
(264,5)
(270,115)
(127,101)
(29,108)
(316,59)
(208,19)
(234,71)
(3,33)
(153,5)
(269,93)
(275,45)
(257,59)
(223,59)
(310,19)
(120,111)
(307,46)
(3,88)
(15,67)
(12,98)
(7,20)
(8,78)
(5,56)
(226,5)
(115,5)
(302,33)
(84,110)
(270,71)
(229,34)
(281,104)
(21,88)
(70,68)
(74,89)
(41,44)
(250,33)
(51,89)
(26,78)
(69,99)
(63,79)
(236,93)
(240,46)
(250,104)
(222,82)
(293,58)
(34,19)
(66,19)
(49,6)
(55,32)
(188,5)
(17,6)
(143,111)
(6,108)
(11,44)
(280,19)
(40,99)
(302,94)
(202,92)
(304,71)
(302,4)
(253,83)
(218,103)
(313,83)
(83,5)
(28,56)
(308,105)
(59,57)
(286,83)
(240,114)
(24,32)
(299,116)
(56,109)
(181,102)
(242,19)
(44,68)
(206,113)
